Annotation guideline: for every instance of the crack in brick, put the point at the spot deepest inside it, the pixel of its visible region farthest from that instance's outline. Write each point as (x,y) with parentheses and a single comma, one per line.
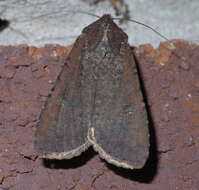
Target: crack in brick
(191,162)
(97,177)
(25,172)
(165,151)
(32,157)
(6,177)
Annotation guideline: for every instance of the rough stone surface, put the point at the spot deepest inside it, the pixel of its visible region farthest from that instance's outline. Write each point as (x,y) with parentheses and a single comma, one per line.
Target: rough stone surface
(42,22)
(170,78)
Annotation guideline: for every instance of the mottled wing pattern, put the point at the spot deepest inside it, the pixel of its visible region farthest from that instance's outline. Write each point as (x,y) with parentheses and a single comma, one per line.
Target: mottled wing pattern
(119,125)
(119,129)
(97,100)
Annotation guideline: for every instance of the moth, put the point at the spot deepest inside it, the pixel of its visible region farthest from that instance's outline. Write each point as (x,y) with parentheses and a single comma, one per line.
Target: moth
(97,101)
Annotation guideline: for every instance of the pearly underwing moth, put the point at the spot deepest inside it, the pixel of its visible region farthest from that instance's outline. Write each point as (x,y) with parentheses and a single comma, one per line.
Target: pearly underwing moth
(97,101)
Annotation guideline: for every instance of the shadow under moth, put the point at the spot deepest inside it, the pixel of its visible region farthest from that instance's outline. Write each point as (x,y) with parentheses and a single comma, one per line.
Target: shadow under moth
(97,101)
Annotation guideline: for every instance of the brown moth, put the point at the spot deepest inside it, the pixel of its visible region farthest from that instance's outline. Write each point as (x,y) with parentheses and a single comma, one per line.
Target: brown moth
(97,101)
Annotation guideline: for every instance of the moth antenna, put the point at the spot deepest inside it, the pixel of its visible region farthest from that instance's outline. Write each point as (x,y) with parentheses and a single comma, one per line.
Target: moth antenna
(87,13)
(135,21)
(147,26)
(131,20)
(172,46)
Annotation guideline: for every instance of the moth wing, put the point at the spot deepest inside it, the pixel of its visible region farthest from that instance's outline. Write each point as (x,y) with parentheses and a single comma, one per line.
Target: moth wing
(60,133)
(120,126)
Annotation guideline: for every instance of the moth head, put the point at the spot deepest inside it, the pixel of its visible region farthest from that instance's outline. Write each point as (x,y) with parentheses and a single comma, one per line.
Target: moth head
(104,29)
